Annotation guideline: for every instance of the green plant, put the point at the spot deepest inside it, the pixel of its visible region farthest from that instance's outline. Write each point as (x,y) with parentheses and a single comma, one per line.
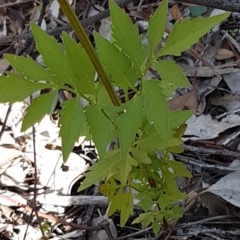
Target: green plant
(46,226)
(145,127)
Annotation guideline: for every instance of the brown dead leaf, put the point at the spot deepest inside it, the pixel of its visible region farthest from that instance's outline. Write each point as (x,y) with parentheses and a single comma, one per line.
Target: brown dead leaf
(176,12)
(237,55)
(214,204)
(186,101)
(223,54)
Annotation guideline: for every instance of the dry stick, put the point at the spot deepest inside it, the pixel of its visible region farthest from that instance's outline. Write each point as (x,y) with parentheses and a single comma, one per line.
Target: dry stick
(145,230)
(48,216)
(5,121)
(28,224)
(200,58)
(185,225)
(222,152)
(210,167)
(31,48)
(228,5)
(57,31)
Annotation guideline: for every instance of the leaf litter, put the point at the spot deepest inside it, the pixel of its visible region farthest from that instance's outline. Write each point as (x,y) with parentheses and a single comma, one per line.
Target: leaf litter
(58,181)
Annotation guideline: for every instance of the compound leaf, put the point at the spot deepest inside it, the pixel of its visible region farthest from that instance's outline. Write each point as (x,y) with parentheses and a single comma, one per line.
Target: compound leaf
(103,170)
(96,173)
(179,169)
(168,71)
(117,65)
(179,117)
(172,189)
(122,201)
(53,56)
(156,107)
(81,66)
(128,123)
(126,36)
(146,202)
(126,207)
(39,107)
(124,167)
(71,121)
(30,68)
(144,218)
(157,25)
(109,187)
(140,156)
(179,40)
(15,88)
(151,141)
(101,128)
(156,227)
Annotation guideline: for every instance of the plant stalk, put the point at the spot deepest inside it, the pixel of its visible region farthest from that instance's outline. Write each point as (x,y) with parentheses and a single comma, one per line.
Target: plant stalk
(82,36)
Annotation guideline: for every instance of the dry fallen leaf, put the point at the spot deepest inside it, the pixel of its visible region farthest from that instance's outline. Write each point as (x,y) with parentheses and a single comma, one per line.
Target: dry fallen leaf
(176,12)
(228,188)
(186,101)
(223,54)
(214,204)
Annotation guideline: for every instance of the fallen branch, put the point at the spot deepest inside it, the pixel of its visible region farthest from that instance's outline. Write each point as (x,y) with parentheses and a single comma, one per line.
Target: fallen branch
(227,5)
(47,216)
(221,152)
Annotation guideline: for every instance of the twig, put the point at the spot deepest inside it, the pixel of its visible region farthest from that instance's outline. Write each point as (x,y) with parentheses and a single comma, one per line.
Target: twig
(136,233)
(57,31)
(8,4)
(185,225)
(43,11)
(91,208)
(210,167)
(48,216)
(5,121)
(187,206)
(31,48)
(231,39)
(222,152)
(228,5)
(105,225)
(200,58)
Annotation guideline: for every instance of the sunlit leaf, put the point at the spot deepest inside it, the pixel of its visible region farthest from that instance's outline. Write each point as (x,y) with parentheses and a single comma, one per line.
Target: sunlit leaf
(180,40)
(30,68)
(156,107)
(157,25)
(71,121)
(126,36)
(44,104)
(118,66)
(101,128)
(53,56)
(168,71)
(130,121)
(81,66)
(16,88)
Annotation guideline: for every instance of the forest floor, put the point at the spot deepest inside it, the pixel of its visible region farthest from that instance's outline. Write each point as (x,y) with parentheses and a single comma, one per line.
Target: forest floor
(211,141)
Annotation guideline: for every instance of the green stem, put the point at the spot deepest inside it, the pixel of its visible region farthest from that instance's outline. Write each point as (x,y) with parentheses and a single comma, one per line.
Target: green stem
(75,92)
(126,95)
(79,31)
